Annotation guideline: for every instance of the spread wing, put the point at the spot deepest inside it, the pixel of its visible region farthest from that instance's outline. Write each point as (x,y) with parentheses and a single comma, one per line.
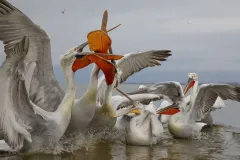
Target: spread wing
(122,102)
(16,113)
(14,25)
(208,94)
(171,89)
(132,63)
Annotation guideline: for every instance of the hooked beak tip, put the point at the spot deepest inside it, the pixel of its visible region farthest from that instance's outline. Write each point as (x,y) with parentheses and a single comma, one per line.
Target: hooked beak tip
(80,55)
(80,48)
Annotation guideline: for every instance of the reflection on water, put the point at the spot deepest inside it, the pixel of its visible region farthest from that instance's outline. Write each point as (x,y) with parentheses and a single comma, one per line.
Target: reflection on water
(220,142)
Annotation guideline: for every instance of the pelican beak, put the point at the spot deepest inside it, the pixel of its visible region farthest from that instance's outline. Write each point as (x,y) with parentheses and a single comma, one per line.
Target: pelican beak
(83,59)
(135,111)
(169,110)
(129,109)
(80,62)
(107,67)
(190,84)
(109,56)
(80,48)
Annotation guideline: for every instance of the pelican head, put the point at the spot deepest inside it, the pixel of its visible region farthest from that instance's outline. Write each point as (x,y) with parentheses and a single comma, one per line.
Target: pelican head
(192,79)
(193,76)
(131,111)
(69,59)
(135,111)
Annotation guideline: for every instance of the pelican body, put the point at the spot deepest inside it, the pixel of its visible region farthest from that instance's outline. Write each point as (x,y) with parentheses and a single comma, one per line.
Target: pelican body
(44,128)
(104,115)
(84,108)
(142,127)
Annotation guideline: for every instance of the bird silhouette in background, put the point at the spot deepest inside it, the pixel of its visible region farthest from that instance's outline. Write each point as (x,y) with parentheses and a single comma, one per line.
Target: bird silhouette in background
(63,11)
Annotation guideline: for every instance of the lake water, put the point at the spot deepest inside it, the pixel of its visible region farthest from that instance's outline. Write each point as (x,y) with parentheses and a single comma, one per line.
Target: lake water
(220,142)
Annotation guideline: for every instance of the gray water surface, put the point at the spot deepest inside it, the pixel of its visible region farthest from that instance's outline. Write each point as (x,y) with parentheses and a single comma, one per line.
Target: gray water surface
(219,142)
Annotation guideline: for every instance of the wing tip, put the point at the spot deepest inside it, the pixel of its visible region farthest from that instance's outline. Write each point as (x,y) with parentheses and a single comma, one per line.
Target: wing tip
(6,6)
(237,89)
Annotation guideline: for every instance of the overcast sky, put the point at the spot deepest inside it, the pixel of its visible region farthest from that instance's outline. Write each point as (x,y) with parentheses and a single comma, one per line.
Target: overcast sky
(203,35)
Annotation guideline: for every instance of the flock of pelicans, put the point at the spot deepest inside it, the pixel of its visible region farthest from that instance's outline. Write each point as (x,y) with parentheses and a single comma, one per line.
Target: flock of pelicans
(36,112)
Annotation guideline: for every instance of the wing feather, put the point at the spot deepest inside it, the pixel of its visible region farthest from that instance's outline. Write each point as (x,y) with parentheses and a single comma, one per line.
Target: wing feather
(207,96)
(132,63)
(44,90)
(142,98)
(171,89)
(11,82)
(14,25)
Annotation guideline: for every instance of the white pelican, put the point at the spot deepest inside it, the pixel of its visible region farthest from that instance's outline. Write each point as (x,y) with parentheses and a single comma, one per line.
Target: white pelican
(120,102)
(18,120)
(143,127)
(128,65)
(219,103)
(183,124)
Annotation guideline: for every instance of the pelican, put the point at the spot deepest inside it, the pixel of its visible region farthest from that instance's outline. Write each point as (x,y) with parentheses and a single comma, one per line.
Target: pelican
(219,103)
(143,127)
(120,102)
(183,124)
(18,118)
(128,65)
